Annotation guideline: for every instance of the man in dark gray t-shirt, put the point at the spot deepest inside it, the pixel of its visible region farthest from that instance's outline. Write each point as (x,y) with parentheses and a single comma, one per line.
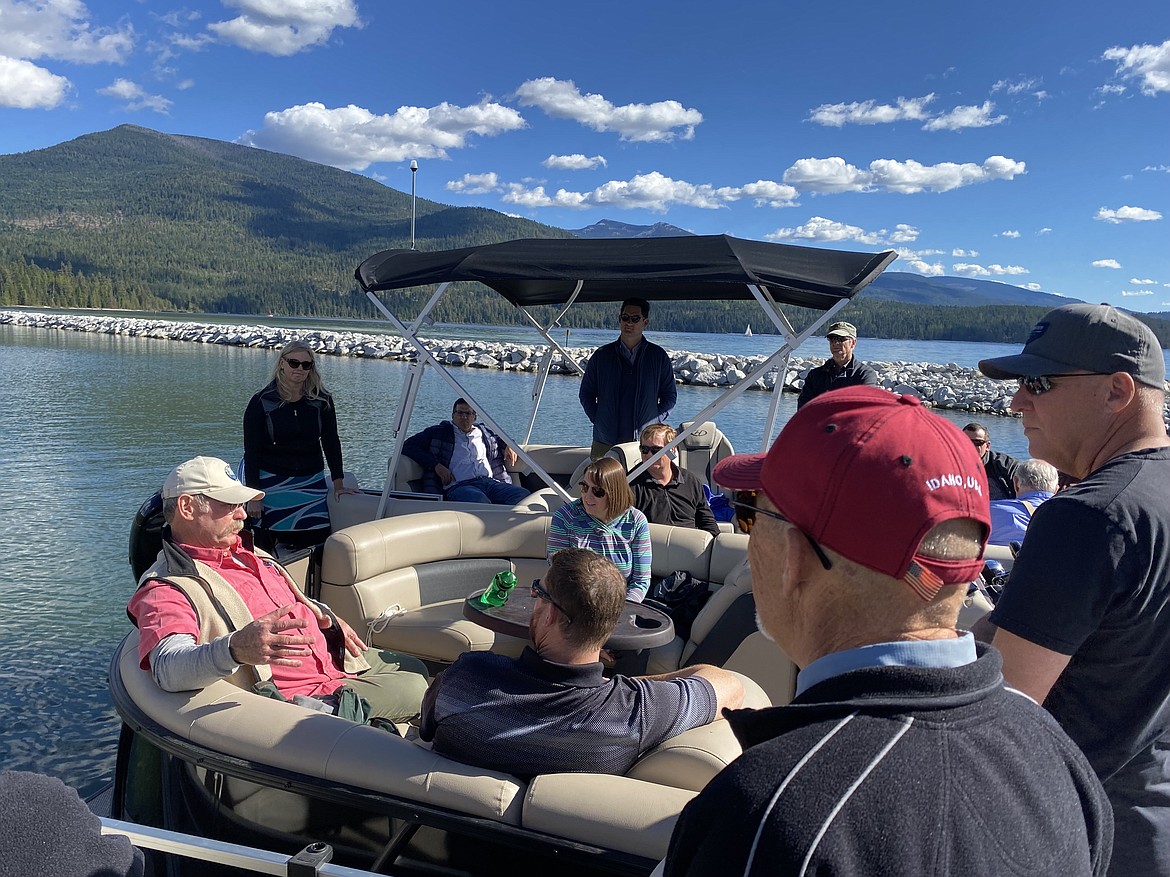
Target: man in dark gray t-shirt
(1084,622)
(552,710)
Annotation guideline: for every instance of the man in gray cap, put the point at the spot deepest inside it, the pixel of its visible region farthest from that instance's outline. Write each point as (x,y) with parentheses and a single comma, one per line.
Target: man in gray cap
(1084,622)
(840,369)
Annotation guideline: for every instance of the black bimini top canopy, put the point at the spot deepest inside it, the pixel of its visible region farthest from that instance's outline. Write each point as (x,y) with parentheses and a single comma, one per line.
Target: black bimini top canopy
(546,271)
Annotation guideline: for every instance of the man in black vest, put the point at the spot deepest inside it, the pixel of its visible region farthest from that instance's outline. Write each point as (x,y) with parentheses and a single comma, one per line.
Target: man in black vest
(841,369)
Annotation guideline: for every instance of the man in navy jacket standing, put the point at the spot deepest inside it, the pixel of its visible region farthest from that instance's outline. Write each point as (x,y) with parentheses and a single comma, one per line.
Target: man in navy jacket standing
(628,383)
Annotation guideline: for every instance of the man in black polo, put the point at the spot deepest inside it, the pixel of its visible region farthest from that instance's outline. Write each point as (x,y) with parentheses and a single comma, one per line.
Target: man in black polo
(552,710)
(667,494)
(841,369)
(1000,468)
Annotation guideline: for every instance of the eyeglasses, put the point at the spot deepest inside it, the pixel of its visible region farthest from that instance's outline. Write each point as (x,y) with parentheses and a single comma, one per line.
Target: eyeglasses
(979,442)
(838,339)
(756,510)
(585,487)
(540,593)
(306,364)
(464,412)
(1041,384)
(647,450)
(223,507)
(631,318)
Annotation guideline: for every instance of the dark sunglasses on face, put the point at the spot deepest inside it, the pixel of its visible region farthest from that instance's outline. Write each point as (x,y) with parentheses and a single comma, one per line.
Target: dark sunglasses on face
(979,442)
(756,510)
(838,339)
(647,450)
(1041,384)
(306,364)
(585,487)
(631,318)
(459,412)
(540,593)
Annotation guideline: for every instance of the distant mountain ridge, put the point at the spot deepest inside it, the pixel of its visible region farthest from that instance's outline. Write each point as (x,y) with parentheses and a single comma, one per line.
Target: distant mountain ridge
(611,228)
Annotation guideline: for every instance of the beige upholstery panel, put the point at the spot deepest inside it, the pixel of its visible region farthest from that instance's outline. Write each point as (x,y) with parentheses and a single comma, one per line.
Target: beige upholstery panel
(702,449)
(974,608)
(1002,553)
(282,735)
(764,662)
(439,632)
(617,813)
(680,548)
(556,460)
(728,555)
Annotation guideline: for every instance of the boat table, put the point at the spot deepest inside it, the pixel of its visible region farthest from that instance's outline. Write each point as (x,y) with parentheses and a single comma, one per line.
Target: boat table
(640,627)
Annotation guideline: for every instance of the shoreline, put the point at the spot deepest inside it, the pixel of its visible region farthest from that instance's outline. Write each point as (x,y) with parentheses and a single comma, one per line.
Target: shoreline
(950,386)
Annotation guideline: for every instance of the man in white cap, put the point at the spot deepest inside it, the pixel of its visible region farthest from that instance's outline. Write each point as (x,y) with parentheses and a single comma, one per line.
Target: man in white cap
(210,608)
(840,369)
(1084,621)
(902,752)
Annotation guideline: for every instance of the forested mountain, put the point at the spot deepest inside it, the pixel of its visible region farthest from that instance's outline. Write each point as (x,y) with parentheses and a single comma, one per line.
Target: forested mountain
(134,218)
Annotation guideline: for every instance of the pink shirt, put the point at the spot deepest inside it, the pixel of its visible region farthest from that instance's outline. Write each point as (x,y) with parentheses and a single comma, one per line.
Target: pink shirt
(162,610)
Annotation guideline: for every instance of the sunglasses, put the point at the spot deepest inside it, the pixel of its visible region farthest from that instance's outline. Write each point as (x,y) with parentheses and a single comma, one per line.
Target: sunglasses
(540,593)
(221,507)
(1042,384)
(306,364)
(585,487)
(464,413)
(756,510)
(838,339)
(647,450)
(631,318)
(980,442)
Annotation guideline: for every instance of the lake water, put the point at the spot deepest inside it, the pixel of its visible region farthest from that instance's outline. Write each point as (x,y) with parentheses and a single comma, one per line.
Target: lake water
(92,424)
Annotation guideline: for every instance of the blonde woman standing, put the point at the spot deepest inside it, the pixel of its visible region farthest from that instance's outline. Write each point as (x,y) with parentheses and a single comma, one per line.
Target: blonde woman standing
(290,433)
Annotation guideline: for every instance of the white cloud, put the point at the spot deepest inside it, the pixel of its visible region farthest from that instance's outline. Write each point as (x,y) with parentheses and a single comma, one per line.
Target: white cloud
(965,117)
(965,254)
(1147,63)
(972,270)
(832,175)
(914,260)
(61,30)
(1030,84)
(1010,233)
(818,228)
(1161,168)
(1106,263)
(1112,89)
(1127,214)
(25,86)
(353,138)
(871,112)
(523,197)
(1130,293)
(575,162)
(766,193)
(653,191)
(475,184)
(1137,282)
(1034,287)
(1045,230)
(639,123)
(136,97)
(285,27)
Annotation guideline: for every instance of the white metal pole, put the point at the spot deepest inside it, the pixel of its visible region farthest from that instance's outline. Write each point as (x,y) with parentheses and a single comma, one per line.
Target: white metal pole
(413,171)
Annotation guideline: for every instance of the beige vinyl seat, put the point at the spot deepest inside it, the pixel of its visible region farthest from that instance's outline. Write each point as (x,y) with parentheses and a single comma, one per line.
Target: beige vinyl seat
(702,449)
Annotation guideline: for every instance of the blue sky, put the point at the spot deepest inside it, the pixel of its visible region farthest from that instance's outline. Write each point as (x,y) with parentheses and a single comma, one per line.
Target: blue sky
(1021,142)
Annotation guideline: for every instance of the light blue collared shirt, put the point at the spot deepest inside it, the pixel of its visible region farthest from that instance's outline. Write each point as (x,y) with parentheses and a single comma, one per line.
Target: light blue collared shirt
(910,653)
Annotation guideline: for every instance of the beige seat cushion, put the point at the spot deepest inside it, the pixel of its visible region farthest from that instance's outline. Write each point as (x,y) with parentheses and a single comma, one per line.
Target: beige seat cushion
(439,632)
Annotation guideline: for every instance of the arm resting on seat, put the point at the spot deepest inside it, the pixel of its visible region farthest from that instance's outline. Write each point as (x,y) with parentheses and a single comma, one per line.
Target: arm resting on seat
(178,664)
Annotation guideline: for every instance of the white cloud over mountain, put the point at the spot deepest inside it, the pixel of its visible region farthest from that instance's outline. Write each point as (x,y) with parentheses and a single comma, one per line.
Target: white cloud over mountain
(639,123)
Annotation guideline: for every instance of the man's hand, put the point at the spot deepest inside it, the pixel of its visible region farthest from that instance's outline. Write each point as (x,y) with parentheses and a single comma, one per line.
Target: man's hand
(509,456)
(354,644)
(339,488)
(445,475)
(264,641)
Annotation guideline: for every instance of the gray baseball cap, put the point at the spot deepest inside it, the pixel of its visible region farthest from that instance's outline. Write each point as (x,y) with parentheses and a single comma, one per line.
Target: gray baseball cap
(842,328)
(1091,338)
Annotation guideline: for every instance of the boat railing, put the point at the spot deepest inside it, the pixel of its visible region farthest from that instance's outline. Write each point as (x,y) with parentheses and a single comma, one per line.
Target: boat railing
(312,860)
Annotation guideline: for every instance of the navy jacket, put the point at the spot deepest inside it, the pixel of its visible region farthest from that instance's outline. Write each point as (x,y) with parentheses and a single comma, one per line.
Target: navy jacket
(436,444)
(619,398)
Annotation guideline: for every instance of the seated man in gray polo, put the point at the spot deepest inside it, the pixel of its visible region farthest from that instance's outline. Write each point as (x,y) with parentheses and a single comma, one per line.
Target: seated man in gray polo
(552,710)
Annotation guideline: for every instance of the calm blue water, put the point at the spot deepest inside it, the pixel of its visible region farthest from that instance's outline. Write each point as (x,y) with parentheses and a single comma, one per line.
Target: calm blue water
(92,423)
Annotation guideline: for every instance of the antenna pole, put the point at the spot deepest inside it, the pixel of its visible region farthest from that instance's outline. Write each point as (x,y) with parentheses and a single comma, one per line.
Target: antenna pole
(413,171)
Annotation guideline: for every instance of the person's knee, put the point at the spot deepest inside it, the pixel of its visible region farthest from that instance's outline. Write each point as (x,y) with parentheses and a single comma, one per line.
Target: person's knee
(468,494)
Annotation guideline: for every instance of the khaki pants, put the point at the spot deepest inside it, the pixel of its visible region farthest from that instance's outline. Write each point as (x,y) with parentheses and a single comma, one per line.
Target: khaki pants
(394,685)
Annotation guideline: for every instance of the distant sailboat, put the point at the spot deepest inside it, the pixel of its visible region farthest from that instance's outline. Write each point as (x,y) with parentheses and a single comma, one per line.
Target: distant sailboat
(748,330)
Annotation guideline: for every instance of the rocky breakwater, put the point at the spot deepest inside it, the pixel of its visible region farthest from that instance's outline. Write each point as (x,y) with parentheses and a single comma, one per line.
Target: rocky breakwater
(943,386)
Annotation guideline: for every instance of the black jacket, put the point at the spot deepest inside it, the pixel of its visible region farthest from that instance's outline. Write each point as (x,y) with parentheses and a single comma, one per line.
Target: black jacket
(828,377)
(1000,469)
(680,501)
(900,771)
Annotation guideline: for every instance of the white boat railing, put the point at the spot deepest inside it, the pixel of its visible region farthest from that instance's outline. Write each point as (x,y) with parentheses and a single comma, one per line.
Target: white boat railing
(314,859)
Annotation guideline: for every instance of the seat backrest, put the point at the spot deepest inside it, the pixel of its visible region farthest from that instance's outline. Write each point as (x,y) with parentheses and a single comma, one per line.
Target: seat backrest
(627,454)
(408,475)
(702,449)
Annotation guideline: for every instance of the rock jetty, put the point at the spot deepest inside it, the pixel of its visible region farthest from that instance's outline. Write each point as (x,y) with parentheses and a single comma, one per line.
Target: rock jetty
(941,386)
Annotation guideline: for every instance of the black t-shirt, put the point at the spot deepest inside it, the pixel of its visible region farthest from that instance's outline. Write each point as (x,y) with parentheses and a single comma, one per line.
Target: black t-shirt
(1093,581)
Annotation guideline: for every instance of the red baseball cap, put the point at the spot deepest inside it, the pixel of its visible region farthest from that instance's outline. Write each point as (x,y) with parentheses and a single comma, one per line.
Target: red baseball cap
(868,474)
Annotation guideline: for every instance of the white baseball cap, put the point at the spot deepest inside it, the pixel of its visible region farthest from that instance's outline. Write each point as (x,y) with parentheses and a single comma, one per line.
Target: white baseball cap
(209,476)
